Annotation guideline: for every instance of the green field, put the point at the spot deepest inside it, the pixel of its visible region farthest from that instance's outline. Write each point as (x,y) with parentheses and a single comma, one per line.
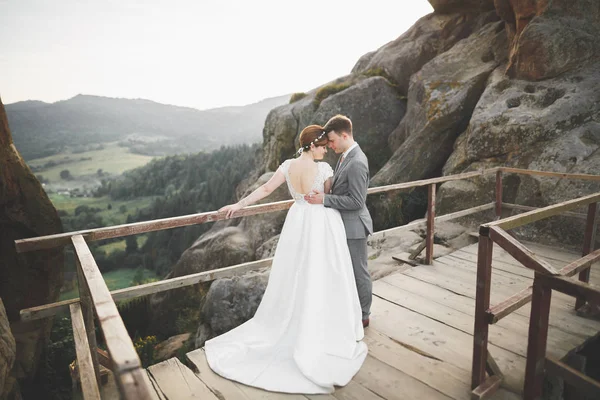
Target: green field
(118,279)
(121,245)
(114,216)
(113,159)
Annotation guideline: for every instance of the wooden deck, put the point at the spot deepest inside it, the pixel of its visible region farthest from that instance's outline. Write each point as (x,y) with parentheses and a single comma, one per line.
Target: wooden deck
(420,338)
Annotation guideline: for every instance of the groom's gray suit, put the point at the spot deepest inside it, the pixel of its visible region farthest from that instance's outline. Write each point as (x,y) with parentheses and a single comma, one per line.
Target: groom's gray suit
(348,195)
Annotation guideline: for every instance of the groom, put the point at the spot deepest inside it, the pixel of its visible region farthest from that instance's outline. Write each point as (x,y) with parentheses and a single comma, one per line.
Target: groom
(348,195)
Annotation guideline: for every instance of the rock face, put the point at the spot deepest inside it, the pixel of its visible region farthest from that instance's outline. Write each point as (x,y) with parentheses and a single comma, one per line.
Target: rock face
(8,350)
(30,279)
(441,98)
(430,36)
(550,37)
(213,250)
(552,125)
(229,303)
(373,104)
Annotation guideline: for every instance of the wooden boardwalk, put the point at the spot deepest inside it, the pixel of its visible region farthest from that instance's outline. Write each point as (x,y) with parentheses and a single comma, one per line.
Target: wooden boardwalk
(420,338)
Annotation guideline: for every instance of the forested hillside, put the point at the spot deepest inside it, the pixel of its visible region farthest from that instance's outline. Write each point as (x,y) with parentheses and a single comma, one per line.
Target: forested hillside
(183,184)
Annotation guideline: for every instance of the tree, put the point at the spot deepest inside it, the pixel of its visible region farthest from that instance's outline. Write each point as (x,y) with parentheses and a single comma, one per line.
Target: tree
(131,244)
(66,175)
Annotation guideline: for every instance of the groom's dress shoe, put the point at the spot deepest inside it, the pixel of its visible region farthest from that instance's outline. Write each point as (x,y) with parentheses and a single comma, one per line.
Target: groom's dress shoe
(365,322)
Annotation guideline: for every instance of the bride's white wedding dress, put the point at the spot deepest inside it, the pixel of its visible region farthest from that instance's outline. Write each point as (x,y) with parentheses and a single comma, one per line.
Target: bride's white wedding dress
(306,334)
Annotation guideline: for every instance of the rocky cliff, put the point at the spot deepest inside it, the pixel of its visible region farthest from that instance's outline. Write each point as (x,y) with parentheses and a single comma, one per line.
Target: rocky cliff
(30,279)
(476,83)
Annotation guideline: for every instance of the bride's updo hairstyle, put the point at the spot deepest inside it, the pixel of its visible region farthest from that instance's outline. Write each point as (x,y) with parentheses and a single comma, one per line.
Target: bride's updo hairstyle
(312,134)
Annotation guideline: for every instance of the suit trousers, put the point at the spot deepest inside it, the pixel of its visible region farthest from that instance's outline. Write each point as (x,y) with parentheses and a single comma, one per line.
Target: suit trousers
(358,253)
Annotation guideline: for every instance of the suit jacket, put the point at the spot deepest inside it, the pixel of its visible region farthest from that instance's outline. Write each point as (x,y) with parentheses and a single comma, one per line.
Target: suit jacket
(349,194)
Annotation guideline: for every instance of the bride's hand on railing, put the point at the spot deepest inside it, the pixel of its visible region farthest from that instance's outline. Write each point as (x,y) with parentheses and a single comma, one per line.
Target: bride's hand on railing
(230,209)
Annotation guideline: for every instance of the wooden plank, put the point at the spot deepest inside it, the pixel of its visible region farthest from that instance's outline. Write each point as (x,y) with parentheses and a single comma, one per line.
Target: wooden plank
(589,239)
(572,287)
(61,239)
(430,224)
(48,310)
(413,255)
(533,172)
(176,381)
(462,321)
(230,389)
(520,252)
(85,366)
(436,373)
(559,342)
(506,307)
(542,213)
(462,281)
(536,339)
(492,367)
(436,339)
(119,344)
(499,194)
(151,389)
(584,384)
(87,310)
(391,384)
(133,385)
(520,207)
(355,391)
(224,388)
(482,303)
(404,257)
(487,388)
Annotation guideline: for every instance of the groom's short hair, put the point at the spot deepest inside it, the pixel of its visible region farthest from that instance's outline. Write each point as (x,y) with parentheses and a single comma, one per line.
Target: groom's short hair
(338,124)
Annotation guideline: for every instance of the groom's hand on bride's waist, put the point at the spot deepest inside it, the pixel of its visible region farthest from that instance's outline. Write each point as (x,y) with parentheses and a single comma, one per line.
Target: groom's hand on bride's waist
(314,197)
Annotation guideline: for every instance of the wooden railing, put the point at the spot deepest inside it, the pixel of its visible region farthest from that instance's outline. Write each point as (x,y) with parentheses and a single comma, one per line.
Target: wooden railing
(95,298)
(546,277)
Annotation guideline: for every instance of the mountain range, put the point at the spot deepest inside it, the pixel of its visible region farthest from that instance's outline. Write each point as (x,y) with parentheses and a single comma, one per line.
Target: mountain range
(42,129)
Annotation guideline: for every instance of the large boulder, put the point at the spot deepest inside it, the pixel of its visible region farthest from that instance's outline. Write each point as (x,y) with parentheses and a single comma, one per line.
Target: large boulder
(373,103)
(30,279)
(8,350)
(441,97)
(552,125)
(177,311)
(375,108)
(550,37)
(229,303)
(428,37)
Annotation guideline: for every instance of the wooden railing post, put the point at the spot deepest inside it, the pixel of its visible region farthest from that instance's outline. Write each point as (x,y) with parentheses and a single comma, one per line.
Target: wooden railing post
(482,303)
(536,343)
(85,366)
(88,318)
(499,194)
(430,224)
(589,239)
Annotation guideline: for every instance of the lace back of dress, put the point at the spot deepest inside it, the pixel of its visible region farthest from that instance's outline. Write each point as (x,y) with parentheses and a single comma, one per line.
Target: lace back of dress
(318,184)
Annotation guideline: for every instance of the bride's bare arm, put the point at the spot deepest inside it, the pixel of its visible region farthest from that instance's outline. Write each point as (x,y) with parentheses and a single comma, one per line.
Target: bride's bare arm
(263,191)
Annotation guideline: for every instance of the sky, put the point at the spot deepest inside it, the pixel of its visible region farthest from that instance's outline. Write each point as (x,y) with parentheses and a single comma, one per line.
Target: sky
(193,53)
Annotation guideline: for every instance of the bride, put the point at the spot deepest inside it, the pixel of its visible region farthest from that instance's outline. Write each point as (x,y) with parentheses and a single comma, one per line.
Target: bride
(306,334)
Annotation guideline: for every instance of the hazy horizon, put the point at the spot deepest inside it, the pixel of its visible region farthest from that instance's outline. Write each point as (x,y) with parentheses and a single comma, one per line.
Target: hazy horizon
(199,54)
